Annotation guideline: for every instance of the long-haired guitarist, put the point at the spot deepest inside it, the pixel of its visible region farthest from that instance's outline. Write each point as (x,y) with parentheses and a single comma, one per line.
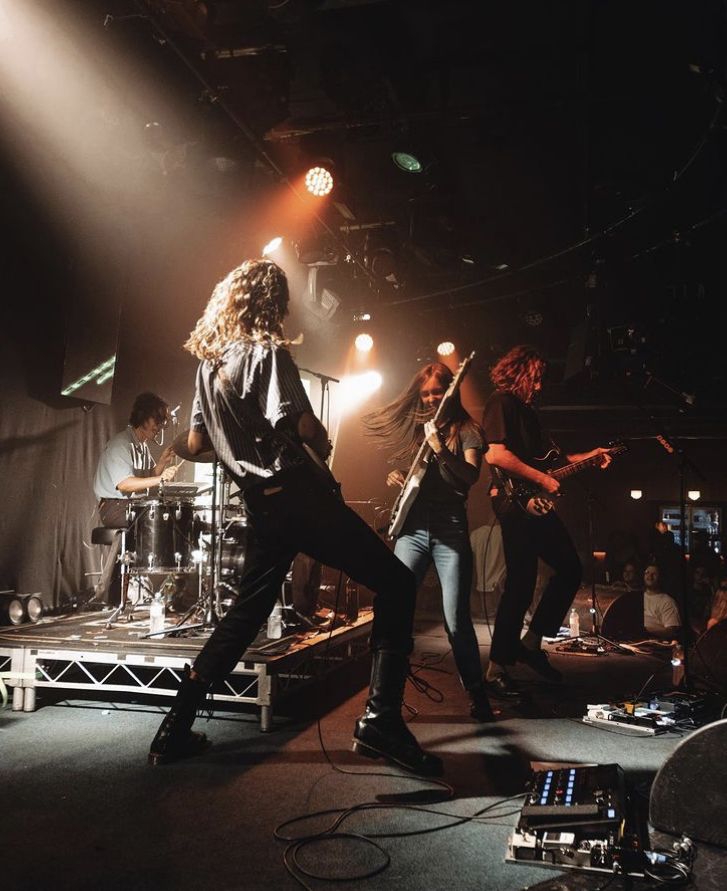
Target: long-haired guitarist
(435,527)
(530,529)
(251,408)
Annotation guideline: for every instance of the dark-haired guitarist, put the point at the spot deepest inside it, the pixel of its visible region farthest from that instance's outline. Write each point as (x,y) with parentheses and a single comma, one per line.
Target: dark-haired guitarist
(515,441)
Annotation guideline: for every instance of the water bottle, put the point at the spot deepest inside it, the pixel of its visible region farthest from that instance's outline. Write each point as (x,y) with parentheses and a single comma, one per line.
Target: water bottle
(574,623)
(275,622)
(677,662)
(351,604)
(156,614)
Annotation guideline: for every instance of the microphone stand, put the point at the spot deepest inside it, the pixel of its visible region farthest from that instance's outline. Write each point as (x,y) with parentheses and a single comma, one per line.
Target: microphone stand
(325,380)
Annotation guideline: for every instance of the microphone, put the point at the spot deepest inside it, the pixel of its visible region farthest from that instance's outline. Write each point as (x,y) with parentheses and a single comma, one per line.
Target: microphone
(173,413)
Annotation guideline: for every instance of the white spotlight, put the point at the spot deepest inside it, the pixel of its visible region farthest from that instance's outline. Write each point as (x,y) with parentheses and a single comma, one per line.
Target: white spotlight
(272,246)
(355,388)
(694,494)
(363,343)
(446,348)
(636,494)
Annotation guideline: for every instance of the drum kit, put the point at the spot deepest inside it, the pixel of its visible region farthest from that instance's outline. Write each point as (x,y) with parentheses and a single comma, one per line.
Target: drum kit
(178,538)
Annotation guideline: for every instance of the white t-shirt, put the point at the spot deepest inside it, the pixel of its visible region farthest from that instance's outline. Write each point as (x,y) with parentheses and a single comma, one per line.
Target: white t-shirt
(123,456)
(660,612)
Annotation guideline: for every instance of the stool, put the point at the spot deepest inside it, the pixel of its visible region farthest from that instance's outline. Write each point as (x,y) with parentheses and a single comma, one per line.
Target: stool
(106,535)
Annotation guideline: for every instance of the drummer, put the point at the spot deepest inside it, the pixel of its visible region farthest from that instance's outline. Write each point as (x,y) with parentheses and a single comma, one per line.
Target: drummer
(127,468)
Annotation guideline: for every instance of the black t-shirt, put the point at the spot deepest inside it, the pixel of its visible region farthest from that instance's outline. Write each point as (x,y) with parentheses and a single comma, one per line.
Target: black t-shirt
(435,487)
(509,421)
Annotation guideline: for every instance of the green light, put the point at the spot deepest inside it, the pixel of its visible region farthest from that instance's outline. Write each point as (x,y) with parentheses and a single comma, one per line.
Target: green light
(407,162)
(100,374)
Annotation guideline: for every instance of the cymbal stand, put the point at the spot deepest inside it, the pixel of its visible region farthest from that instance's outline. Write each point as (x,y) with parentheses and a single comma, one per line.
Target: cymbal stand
(208,601)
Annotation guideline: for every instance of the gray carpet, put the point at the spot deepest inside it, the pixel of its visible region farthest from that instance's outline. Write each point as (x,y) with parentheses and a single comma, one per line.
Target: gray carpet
(82,810)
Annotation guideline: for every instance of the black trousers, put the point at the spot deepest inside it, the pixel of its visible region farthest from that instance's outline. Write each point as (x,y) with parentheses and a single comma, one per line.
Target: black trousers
(524,539)
(296,512)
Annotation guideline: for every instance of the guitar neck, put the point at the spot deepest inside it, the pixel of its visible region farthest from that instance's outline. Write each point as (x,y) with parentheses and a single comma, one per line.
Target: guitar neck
(562,472)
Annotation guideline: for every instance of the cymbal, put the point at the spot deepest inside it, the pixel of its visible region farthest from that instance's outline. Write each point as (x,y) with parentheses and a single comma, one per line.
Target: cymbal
(180,448)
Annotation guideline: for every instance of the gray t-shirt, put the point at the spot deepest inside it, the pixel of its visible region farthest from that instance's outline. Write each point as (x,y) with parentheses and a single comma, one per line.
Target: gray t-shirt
(123,456)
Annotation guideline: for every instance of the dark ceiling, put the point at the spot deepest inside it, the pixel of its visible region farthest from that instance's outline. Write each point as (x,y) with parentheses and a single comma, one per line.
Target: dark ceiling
(573,191)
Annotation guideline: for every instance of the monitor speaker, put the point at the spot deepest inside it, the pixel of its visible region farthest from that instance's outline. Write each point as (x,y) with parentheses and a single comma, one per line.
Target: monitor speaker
(708,659)
(687,796)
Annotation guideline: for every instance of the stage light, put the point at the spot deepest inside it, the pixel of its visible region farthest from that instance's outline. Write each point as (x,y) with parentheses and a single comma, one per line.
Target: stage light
(272,246)
(363,342)
(319,181)
(445,348)
(16,609)
(636,494)
(407,162)
(355,388)
(694,494)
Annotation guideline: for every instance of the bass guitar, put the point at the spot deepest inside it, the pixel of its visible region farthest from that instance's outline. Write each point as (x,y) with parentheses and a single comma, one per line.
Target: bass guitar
(413,481)
(534,500)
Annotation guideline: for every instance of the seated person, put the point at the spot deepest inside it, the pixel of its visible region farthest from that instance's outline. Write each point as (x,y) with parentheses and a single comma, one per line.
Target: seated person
(718,611)
(629,580)
(661,613)
(126,469)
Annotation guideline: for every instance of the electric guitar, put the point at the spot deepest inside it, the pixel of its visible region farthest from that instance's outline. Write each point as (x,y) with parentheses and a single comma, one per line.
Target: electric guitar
(413,481)
(530,497)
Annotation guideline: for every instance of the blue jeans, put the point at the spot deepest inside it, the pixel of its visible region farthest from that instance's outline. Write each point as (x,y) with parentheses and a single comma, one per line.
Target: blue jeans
(438,534)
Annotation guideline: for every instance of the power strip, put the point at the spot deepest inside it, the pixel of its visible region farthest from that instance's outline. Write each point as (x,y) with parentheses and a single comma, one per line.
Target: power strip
(610,723)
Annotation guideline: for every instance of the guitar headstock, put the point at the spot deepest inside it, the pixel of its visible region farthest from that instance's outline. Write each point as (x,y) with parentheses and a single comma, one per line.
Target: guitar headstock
(617,447)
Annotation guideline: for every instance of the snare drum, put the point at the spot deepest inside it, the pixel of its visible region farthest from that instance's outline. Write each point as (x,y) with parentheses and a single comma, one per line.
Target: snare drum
(164,535)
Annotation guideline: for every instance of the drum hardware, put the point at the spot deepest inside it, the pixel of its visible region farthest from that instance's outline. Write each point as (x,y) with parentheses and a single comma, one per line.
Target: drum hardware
(209,603)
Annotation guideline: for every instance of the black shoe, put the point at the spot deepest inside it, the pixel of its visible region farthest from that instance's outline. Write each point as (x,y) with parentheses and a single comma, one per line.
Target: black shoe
(480,708)
(391,739)
(502,687)
(175,739)
(381,732)
(183,747)
(538,661)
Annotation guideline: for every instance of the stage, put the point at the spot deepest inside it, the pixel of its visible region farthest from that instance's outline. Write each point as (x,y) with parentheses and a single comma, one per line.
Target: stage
(78,652)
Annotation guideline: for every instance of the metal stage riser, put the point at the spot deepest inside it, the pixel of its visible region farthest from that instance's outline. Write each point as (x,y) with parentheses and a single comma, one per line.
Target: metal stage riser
(105,672)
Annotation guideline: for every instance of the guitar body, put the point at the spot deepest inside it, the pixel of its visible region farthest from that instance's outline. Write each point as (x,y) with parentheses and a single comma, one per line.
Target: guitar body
(530,498)
(406,498)
(322,470)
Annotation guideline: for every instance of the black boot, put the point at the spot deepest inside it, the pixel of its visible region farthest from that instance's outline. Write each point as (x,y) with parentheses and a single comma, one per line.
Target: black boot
(381,731)
(480,708)
(174,738)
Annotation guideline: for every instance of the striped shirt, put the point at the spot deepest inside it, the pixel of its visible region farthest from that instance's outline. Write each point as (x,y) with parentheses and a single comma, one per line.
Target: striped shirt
(239,403)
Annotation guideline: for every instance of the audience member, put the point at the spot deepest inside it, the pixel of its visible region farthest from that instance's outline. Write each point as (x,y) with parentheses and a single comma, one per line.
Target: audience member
(661,613)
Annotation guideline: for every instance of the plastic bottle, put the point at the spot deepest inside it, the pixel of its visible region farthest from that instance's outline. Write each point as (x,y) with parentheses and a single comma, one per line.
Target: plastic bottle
(156,614)
(275,622)
(677,661)
(574,623)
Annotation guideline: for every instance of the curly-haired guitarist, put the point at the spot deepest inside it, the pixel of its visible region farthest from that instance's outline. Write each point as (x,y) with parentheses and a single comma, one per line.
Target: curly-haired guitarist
(530,528)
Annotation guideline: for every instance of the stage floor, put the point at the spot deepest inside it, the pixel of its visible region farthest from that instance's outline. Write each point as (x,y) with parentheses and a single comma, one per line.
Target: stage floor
(78,652)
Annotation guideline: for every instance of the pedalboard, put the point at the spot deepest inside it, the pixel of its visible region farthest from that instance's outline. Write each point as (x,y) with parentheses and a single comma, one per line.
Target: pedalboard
(579,816)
